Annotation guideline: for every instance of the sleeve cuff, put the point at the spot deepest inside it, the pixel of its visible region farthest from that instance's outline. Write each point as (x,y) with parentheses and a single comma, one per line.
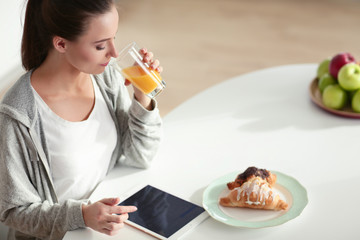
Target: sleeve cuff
(77,217)
(139,112)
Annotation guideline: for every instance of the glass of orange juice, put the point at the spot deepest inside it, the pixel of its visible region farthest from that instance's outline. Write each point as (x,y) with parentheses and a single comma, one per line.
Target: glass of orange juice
(130,64)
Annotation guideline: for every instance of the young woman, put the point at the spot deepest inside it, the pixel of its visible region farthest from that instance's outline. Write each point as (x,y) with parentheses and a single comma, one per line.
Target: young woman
(67,121)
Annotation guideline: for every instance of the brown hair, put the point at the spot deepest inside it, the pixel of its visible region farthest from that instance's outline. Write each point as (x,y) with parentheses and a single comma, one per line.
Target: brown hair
(45,19)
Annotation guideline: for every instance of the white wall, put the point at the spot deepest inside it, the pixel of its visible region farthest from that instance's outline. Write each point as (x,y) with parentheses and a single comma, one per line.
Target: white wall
(11,18)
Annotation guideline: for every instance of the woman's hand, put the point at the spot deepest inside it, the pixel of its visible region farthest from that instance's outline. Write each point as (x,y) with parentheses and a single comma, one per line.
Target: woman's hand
(101,217)
(148,57)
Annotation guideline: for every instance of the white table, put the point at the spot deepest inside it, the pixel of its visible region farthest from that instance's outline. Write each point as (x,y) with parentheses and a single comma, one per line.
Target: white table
(263,119)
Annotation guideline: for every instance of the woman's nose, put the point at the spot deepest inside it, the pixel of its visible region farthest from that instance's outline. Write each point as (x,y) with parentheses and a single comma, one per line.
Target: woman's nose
(112,51)
(115,53)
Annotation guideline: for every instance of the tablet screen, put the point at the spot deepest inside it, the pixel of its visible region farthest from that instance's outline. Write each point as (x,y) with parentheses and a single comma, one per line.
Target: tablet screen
(161,212)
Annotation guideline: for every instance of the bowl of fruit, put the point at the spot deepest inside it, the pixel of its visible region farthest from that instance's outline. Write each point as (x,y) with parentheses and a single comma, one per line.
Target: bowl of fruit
(336,87)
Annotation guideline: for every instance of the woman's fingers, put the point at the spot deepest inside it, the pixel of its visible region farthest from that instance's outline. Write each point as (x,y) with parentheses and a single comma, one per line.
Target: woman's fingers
(117,218)
(110,232)
(143,51)
(110,201)
(155,64)
(113,227)
(106,216)
(148,57)
(122,209)
(114,224)
(159,69)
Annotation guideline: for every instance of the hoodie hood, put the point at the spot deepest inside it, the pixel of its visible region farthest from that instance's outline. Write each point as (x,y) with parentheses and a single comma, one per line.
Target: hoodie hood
(12,104)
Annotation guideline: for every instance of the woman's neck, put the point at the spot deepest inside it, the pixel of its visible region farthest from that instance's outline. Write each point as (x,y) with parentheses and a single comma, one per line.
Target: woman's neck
(68,92)
(57,75)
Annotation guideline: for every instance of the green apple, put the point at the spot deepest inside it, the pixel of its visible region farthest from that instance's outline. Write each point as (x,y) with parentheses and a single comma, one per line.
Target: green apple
(349,76)
(334,96)
(323,68)
(355,102)
(325,80)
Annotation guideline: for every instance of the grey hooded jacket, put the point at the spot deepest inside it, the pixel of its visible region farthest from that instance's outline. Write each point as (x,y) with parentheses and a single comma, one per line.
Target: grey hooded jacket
(28,202)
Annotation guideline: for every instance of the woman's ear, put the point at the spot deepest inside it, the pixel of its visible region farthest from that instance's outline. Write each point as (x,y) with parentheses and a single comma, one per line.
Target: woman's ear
(60,44)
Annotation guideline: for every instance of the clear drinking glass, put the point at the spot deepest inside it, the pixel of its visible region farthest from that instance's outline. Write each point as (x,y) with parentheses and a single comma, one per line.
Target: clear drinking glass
(129,63)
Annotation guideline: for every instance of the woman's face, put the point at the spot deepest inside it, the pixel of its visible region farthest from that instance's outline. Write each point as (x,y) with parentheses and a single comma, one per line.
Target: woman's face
(92,51)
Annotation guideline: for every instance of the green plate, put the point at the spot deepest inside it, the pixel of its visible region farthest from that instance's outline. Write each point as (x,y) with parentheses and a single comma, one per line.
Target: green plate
(289,189)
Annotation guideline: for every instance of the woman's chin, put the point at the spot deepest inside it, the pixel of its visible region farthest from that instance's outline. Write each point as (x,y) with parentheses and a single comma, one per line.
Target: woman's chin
(96,71)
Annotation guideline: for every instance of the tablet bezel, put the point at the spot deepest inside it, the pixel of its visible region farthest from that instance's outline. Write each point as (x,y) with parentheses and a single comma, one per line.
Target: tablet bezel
(181,232)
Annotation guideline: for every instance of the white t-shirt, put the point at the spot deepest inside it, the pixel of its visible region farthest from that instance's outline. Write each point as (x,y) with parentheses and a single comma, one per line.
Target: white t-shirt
(80,152)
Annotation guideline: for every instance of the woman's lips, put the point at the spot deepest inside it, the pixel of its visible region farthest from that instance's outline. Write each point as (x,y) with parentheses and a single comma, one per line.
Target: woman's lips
(105,64)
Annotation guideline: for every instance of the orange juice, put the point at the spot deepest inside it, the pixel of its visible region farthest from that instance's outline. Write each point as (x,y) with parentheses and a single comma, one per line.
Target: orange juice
(141,78)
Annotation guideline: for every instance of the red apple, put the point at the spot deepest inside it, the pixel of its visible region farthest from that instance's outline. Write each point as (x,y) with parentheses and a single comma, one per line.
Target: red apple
(338,61)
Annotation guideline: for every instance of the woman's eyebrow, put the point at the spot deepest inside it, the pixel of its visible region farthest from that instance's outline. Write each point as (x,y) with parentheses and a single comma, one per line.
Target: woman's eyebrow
(102,40)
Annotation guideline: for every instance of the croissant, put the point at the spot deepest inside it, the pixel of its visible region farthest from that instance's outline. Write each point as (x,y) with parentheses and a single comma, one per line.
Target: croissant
(249,173)
(255,193)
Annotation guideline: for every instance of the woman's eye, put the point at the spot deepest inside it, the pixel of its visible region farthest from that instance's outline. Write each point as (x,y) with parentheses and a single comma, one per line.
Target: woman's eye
(99,48)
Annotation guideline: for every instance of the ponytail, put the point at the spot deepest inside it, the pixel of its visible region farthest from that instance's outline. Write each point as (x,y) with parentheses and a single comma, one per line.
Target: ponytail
(45,19)
(36,40)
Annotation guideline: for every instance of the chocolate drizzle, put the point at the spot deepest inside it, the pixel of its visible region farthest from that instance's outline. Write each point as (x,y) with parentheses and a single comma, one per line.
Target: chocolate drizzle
(263,173)
(249,173)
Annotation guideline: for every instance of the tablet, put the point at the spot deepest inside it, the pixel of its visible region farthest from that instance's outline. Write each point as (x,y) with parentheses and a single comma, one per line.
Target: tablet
(161,214)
